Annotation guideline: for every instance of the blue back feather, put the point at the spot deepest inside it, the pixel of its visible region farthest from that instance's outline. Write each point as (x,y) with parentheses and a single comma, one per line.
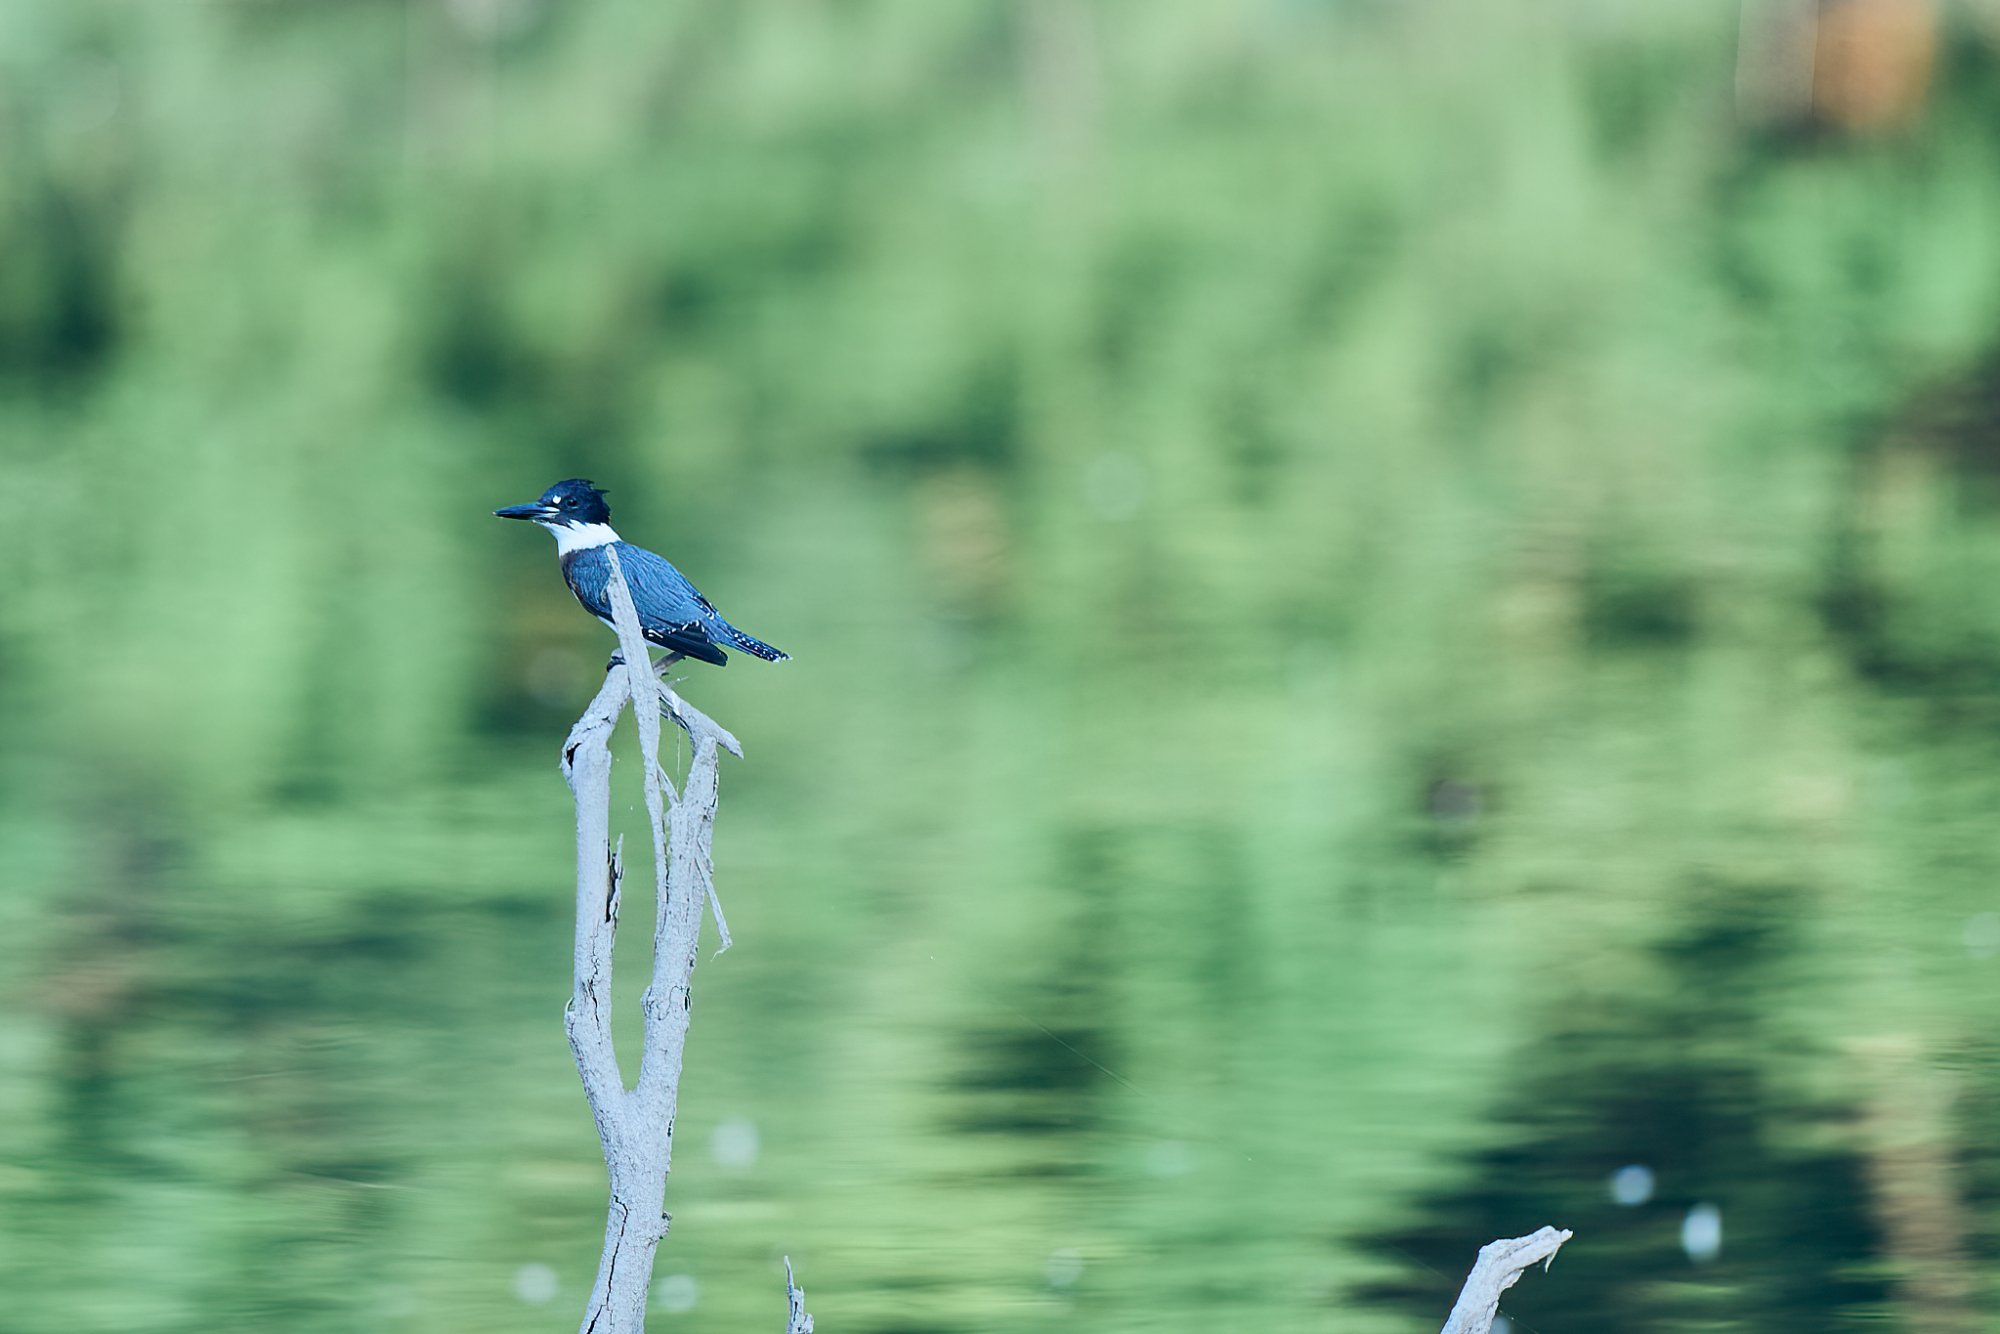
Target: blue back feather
(672,612)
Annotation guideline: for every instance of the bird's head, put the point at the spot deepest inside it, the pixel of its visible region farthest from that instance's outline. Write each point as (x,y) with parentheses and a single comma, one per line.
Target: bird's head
(571,504)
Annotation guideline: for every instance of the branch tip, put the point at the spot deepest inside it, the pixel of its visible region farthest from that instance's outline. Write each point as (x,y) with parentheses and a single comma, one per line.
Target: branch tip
(798,1321)
(1500,1265)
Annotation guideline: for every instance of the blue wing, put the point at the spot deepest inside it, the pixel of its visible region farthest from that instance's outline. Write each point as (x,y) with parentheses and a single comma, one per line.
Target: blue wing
(672,612)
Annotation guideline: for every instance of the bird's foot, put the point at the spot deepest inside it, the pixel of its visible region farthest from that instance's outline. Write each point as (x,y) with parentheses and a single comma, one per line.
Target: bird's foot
(617,660)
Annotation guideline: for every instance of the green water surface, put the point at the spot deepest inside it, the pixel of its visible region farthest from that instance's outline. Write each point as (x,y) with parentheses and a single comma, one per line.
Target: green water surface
(1393,612)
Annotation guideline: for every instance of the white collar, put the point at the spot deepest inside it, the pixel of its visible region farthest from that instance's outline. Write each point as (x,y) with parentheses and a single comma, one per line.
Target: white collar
(581,536)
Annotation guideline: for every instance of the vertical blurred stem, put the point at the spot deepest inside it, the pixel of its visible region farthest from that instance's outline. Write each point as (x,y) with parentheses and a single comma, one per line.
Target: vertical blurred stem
(1059,75)
(635,1126)
(1906,1138)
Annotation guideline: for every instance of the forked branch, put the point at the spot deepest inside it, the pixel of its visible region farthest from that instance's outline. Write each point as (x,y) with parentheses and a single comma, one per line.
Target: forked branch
(635,1126)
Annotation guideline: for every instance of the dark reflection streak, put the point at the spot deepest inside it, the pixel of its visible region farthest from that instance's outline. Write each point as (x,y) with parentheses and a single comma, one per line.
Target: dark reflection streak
(1676,1077)
(1056,1038)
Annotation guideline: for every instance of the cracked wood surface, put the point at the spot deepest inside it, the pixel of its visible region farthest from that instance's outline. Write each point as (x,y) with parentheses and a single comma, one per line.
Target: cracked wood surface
(635,1125)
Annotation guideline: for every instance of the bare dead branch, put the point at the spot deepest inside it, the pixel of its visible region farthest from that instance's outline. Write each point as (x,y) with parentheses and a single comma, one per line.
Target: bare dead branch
(696,722)
(636,1126)
(799,1321)
(586,766)
(1498,1268)
(644,685)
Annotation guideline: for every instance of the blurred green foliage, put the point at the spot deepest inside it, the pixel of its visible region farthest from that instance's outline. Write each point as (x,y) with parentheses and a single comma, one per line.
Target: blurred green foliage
(1390,613)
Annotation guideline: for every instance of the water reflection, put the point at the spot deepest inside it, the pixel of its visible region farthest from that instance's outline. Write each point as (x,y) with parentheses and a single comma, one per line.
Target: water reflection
(1395,644)
(1749,1171)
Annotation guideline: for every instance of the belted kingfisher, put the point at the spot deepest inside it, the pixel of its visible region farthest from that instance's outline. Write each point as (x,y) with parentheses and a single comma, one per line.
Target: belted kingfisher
(673,614)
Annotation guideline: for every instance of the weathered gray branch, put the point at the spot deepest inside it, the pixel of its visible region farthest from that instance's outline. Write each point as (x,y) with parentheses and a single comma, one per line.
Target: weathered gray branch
(586,764)
(636,1125)
(1498,1268)
(798,1322)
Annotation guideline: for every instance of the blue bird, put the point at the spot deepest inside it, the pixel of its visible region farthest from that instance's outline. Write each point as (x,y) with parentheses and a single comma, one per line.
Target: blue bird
(672,612)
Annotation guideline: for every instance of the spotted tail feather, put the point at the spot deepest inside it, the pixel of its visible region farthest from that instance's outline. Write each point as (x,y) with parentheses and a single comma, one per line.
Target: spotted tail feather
(752,644)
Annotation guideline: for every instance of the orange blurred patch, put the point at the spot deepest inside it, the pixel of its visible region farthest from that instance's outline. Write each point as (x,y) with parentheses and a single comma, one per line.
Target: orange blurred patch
(1872,62)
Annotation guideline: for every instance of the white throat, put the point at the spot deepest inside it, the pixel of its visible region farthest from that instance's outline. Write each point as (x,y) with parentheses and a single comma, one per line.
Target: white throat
(581,536)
